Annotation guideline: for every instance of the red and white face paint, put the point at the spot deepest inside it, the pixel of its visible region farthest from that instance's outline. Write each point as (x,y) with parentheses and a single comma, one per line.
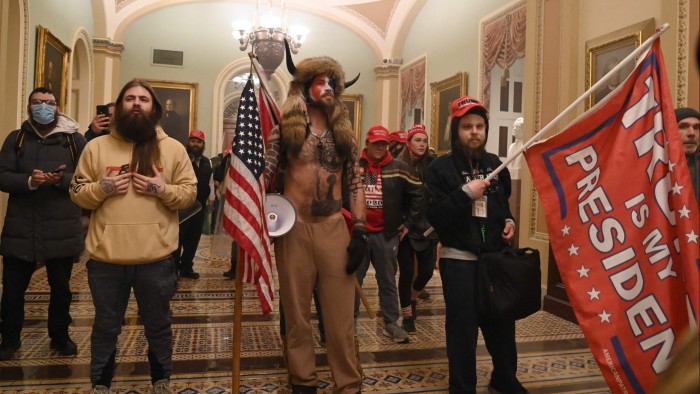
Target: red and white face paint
(321,89)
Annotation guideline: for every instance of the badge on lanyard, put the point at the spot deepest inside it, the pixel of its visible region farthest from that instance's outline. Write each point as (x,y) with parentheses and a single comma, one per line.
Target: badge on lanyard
(479,207)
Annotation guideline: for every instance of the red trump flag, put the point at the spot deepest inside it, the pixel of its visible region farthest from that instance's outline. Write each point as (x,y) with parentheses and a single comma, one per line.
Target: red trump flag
(624,226)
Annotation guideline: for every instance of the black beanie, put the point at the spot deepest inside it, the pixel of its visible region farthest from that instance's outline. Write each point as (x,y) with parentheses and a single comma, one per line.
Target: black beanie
(682,113)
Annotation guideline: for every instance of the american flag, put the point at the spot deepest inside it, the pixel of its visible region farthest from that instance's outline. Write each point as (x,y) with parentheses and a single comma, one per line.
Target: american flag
(244,210)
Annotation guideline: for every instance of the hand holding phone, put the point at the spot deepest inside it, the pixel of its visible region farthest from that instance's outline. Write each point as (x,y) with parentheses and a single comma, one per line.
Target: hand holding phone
(100,122)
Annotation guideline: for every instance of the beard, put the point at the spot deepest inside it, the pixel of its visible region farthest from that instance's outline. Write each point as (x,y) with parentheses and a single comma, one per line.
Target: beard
(43,128)
(137,128)
(195,151)
(474,155)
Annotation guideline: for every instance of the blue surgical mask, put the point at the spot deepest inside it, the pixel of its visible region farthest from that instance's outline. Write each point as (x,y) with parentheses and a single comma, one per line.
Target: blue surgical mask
(43,113)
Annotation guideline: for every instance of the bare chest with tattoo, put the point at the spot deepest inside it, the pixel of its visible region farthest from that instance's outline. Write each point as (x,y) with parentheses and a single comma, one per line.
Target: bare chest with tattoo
(313,178)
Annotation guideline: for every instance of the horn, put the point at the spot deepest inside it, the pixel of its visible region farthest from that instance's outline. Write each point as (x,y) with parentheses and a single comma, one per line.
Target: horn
(352,81)
(290,62)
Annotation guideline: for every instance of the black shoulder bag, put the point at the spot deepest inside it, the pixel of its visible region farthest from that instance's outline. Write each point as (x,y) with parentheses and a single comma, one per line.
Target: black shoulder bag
(508,283)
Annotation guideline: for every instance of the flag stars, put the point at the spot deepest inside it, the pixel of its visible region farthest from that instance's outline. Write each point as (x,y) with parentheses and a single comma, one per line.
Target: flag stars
(684,212)
(593,294)
(692,237)
(604,317)
(671,165)
(583,271)
(565,230)
(573,250)
(677,188)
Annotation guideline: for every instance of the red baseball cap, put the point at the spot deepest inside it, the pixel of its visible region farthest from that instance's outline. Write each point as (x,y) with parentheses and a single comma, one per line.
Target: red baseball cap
(398,136)
(377,133)
(198,134)
(465,104)
(417,128)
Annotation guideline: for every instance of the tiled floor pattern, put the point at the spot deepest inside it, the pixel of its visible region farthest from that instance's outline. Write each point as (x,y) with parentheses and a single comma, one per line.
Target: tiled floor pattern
(553,357)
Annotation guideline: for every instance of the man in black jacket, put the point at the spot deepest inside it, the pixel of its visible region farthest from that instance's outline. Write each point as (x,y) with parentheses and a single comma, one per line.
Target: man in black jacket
(471,216)
(392,193)
(191,229)
(42,224)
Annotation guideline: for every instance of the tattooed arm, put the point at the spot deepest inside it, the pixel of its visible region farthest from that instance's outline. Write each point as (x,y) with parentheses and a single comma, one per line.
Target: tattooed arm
(272,156)
(356,192)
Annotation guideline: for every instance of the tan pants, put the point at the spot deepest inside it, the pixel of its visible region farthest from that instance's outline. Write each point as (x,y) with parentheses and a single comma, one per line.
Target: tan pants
(315,255)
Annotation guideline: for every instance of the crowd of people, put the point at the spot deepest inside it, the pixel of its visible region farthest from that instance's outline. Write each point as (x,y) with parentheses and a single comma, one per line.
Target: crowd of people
(389,204)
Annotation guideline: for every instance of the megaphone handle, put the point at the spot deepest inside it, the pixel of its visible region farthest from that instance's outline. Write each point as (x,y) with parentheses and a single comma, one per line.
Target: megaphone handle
(369,310)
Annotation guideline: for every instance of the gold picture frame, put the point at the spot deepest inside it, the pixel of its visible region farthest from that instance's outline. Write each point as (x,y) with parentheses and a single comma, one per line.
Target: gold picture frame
(353,102)
(51,68)
(181,118)
(443,93)
(605,52)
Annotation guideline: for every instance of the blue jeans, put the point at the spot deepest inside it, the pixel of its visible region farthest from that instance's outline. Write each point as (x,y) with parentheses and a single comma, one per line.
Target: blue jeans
(382,254)
(154,286)
(461,328)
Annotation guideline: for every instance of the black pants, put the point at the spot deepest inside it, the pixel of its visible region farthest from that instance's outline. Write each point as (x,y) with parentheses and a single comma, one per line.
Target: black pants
(16,275)
(426,265)
(461,328)
(190,234)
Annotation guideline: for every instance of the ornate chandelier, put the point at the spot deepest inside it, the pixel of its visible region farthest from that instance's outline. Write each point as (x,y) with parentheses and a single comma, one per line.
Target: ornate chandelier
(266,34)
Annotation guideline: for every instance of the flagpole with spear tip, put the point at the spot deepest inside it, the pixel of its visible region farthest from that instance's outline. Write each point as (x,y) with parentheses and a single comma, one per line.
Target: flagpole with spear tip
(573,105)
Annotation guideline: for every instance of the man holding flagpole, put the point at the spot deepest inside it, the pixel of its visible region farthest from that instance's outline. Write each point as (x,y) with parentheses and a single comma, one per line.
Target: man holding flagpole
(316,146)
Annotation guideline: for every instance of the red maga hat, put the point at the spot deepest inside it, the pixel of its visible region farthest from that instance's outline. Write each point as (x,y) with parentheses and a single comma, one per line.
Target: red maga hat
(465,104)
(377,133)
(417,128)
(198,134)
(398,136)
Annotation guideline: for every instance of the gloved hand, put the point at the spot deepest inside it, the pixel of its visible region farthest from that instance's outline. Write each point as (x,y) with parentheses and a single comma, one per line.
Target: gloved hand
(357,249)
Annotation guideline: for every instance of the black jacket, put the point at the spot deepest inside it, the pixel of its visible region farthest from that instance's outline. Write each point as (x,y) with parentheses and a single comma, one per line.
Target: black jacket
(44,223)
(203,172)
(402,194)
(449,209)
(418,168)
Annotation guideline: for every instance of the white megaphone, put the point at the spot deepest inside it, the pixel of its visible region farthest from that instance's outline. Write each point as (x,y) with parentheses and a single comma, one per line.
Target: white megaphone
(280,214)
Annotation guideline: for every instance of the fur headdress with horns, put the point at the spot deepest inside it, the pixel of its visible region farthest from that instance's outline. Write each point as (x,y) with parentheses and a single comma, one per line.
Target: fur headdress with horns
(294,122)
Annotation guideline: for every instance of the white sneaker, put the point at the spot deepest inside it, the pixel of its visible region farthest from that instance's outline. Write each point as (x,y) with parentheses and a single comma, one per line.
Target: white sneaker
(99,389)
(396,333)
(162,387)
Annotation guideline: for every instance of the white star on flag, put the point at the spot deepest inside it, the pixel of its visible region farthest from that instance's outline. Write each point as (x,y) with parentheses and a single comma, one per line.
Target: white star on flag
(573,250)
(583,271)
(594,294)
(565,230)
(671,165)
(605,316)
(692,237)
(684,212)
(677,188)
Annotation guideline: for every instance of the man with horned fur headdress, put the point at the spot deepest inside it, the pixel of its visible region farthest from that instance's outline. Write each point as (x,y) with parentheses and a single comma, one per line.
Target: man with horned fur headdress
(315,145)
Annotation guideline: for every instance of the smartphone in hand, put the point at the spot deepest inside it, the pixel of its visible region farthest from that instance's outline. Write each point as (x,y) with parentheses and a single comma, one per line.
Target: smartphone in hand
(103,110)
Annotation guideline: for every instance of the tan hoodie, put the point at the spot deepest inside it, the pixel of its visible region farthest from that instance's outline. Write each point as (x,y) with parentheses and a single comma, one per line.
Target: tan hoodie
(132,228)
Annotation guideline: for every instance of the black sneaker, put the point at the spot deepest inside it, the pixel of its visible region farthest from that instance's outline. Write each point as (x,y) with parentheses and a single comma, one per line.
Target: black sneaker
(231,274)
(413,309)
(409,325)
(189,275)
(8,351)
(64,348)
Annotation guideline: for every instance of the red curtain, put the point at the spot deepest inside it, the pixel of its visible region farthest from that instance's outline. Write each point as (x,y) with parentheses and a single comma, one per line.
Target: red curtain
(503,42)
(412,87)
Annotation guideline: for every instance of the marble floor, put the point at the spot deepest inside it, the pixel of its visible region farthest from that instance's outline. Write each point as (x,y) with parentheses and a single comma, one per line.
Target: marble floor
(553,354)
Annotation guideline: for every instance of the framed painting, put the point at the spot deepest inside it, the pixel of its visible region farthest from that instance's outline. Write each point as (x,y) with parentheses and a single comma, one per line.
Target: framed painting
(412,87)
(51,68)
(443,93)
(354,104)
(605,52)
(179,101)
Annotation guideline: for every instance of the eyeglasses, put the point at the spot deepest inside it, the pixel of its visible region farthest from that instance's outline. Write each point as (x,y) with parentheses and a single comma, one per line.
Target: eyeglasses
(39,101)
